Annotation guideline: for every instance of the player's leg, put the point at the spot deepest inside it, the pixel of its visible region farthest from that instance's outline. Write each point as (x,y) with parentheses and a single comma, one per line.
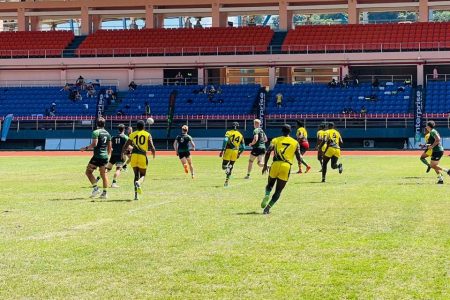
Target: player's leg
(335,165)
(270,183)
(325,161)
(136,178)
(108,168)
(184,163)
(105,182)
(251,159)
(90,175)
(320,158)
(423,159)
(276,195)
(228,171)
(116,175)
(261,160)
(191,166)
(142,171)
(225,164)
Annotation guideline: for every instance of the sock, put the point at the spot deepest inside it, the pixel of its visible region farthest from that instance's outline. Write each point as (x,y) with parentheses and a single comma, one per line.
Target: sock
(425,162)
(274,199)
(141,180)
(445,170)
(114,180)
(94,186)
(268,190)
(98,178)
(185,168)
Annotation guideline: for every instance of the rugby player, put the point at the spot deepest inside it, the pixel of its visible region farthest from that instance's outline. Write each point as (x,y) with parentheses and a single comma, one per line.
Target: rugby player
(232,147)
(258,147)
(427,152)
(101,144)
(141,140)
(320,137)
(181,146)
(128,152)
(285,148)
(331,150)
(437,151)
(302,138)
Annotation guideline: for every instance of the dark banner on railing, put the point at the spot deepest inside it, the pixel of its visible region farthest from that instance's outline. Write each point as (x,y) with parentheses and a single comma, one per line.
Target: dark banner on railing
(6,125)
(418,113)
(262,105)
(100,106)
(171,111)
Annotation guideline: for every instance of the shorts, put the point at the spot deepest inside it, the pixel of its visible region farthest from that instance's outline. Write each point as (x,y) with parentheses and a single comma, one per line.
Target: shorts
(139,161)
(258,151)
(280,170)
(98,162)
(304,146)
(436,156)
(184,154)
(336,152)
(230,155)
(428,152)
(116,160)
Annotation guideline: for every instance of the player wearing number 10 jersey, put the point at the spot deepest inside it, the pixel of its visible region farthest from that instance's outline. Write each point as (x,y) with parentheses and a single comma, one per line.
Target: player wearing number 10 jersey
(233,146)
(141,141)
(285,149)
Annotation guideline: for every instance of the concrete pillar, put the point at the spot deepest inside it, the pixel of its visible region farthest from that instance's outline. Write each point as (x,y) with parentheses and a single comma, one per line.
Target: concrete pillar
(149,17)
(201,76)
(285,16)
(130,75)
(272,77)
(420,74)
(63,76)
(219,19)
(85,21)
(21,20)
(423,11)
(344,71)
(353,13)
(34,23)
(96,23)
(159,21)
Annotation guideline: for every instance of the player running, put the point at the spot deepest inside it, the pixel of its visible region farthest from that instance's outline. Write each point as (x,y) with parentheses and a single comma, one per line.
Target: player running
(101,144)
(427,152)
(141,140)
(258,147)
(128,151)
(320,137)
(117,159)
(181,146)
(331,150)
(302,138)
(233,146)
(285,148)
(435,146)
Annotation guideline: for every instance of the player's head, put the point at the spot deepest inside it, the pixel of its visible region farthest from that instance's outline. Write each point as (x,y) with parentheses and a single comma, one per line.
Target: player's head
(257,123)
(330,125)
(300,124)
(184,128)
(101,122)
(121,128)
(130,130)
(140,125)
(322,126)
(235,125)
(286,129)
(430,125)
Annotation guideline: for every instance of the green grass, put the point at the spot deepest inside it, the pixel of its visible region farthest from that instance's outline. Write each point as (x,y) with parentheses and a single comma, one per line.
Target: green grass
(381,230)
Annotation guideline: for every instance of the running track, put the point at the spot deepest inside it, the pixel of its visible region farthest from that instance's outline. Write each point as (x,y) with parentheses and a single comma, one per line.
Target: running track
(200,153)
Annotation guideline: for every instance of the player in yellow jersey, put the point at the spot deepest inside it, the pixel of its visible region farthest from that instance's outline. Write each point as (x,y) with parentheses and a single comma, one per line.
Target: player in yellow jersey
(233,146)
(320,137)
(141,141)
(285,148)
(427,152)
(302,138)
(331,150)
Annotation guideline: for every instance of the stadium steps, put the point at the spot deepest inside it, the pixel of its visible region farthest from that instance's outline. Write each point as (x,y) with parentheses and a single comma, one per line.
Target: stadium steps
(70,50)
(111,109)
(277,41)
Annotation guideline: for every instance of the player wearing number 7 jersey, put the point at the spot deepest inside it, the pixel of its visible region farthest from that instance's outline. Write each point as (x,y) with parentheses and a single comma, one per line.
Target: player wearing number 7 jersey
(233,146)
(141,141)
(285,148)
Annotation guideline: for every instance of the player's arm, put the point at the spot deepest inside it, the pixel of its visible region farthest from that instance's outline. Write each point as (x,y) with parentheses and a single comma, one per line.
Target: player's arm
(175,146)
(127,145)
(255,140)
(92,145)
(192,144)
(241,147)
(224,144)
(151,147)
(437,140)
(266,158)
(109,148)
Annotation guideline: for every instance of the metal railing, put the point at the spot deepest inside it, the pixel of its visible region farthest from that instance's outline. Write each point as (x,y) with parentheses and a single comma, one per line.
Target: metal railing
(439,77)
(56,83)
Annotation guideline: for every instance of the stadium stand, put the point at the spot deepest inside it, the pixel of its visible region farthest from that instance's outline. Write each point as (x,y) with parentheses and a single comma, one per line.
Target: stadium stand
(34,44)
(315,98)
(35,101)
(176,41)
(368,37)
(437,97)
(192,100)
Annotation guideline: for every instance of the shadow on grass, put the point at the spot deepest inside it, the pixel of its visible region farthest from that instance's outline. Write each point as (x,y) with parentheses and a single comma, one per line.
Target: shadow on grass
(69,199)
(118,200)
(414,177)
(250,213)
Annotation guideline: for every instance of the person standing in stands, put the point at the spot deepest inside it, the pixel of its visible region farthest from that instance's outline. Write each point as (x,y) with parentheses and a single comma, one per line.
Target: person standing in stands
(435,73)
(279,99)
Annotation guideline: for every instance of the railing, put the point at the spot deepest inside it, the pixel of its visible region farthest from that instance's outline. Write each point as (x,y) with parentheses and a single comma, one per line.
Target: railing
(56,83)
(310,78)
(439,77)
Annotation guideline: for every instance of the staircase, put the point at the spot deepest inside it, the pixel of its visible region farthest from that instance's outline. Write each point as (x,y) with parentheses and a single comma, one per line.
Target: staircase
(277,41)
(111,110)
(70,50)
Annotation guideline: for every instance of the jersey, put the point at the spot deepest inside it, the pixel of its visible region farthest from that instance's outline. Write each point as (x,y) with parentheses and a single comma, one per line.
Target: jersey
(260,144)
(427,137)
(183,142)
(432,138)
(235,139)
(117,144)
(321,135)
(285,148)
(103,137)
(302,131)
(140,140)
(334,137)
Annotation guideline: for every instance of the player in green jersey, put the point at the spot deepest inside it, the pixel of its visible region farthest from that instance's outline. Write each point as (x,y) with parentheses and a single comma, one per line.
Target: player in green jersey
(181,146)
(258,145)
(434,144)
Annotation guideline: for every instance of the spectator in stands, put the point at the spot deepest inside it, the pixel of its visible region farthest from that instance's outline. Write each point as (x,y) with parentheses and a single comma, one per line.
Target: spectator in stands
(52,111)
(279,98)
(147,111)
(178,78)
(346,81)
(188,23)
(198,24)
(80,82)
(400,89)
(363,111)
(407,82)
(133,24)
(252,21)
(372,97)
(435,73)
(86,107)
(132,86)
(78,96)
(355,80)
(66,88)
(375,83)
(120,113)
(332,83)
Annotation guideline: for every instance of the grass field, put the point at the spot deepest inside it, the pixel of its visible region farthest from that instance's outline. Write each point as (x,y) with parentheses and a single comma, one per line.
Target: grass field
(381,230)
